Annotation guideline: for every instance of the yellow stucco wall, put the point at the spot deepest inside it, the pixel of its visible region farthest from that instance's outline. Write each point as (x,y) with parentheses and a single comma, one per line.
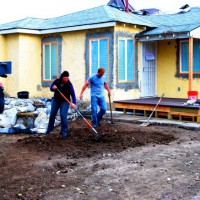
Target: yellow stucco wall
(3,48)
(3,52)
(166,67)
(73,59)
(24,50)
(12,54)
(30,64)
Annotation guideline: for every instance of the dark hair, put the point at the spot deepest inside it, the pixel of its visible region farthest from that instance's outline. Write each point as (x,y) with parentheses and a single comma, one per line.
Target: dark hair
(64,74)
(101,69)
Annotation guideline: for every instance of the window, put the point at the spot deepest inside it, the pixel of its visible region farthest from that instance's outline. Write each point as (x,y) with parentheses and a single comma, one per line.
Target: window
(99,55)
(184,49)
(126,60)
(50,61)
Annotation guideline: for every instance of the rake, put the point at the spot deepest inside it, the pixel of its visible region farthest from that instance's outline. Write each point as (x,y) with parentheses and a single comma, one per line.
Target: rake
(147,123)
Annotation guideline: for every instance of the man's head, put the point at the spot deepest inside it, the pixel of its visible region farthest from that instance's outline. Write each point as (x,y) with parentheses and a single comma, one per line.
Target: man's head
(100,72)
(64,77)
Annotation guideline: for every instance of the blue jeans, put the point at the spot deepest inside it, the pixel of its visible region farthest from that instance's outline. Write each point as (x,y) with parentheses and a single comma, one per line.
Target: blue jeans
(95,102)
(64,107)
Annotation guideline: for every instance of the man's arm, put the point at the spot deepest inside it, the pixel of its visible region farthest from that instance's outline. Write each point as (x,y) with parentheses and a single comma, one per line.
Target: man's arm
(83,89)
(107,88)
(53,86)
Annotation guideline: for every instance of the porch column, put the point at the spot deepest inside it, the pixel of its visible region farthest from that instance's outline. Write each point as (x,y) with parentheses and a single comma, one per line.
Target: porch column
(190,63)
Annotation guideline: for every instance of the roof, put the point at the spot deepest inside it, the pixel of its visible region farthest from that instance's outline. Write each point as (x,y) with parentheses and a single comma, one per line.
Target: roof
(174,23)
(97,15)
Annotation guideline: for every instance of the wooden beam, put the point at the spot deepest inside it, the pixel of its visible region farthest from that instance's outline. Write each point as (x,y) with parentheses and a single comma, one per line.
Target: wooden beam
(190,63)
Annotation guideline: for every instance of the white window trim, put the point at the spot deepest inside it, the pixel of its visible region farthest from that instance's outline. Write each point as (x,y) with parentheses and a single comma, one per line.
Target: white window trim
(50,46)
(126,63)
(90,55)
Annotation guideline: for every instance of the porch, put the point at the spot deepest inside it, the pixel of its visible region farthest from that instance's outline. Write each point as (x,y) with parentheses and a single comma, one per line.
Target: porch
(168,108)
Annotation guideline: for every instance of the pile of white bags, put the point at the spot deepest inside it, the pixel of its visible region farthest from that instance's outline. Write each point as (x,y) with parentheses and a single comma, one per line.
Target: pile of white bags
(10,122)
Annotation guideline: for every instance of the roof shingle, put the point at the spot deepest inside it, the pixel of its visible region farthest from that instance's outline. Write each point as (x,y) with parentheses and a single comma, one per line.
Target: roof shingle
(101,14)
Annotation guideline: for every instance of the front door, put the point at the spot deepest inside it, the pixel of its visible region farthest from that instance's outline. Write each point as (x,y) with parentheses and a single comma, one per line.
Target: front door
(148,70)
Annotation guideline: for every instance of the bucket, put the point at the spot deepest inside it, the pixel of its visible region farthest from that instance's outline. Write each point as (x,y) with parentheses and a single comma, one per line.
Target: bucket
(23,95)
(193,95)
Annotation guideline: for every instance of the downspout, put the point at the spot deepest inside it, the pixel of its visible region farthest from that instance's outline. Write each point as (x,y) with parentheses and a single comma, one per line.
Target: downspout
(190,63)
(126,6)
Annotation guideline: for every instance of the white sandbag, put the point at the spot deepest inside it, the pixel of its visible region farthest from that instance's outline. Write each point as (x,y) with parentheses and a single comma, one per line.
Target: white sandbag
(7,100)
(57,122)
(21,126)
(4,122)
(22,108)
(12,103)
(41,121)
(11,114)
(21,120)
(6,107)
(30,107)
(40,110)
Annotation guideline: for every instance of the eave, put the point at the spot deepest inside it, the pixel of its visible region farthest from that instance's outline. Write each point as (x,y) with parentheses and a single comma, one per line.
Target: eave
(170,36)
(58,30)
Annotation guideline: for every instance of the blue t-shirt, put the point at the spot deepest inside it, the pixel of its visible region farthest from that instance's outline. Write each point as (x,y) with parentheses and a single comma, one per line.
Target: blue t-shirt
(97,85)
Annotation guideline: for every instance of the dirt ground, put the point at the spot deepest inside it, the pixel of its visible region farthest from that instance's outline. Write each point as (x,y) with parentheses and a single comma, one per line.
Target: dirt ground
(129,162)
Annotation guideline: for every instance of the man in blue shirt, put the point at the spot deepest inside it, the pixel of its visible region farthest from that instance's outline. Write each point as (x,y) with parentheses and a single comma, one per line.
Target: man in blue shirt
(97,84)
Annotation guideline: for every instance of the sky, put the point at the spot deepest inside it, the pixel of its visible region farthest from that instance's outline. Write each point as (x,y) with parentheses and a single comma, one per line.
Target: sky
(12,10)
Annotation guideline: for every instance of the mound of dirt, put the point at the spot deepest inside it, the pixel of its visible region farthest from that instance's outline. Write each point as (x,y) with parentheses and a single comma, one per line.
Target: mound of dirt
(81,139)
(31,164)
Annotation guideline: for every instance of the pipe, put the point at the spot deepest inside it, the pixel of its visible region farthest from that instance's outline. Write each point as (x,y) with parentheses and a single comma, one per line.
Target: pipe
(126,6)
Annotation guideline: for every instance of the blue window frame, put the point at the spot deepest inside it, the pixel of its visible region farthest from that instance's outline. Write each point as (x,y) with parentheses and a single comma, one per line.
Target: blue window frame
(99,55)
(50,61)
(183,61)
(126,60)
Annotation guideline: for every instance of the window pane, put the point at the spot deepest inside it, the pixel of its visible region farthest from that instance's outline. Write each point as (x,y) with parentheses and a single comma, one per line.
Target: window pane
(104,56)
(94,57)
(184,56)
(53,61)
(46,62)
(130,60)
(196,56)
(121,60)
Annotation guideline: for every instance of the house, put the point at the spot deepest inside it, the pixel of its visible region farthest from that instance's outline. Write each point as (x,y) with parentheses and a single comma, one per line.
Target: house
(144,55)
(40,49)
(175,45)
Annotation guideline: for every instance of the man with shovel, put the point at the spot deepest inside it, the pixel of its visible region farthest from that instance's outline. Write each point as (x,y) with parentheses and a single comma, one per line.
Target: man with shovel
(97,84)
(64,85)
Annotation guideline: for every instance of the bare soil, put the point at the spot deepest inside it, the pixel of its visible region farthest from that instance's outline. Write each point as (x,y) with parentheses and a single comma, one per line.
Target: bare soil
(130,162)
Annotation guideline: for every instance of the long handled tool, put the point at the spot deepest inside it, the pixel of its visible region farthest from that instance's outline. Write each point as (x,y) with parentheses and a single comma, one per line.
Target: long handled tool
(97,136)
(147,123)
(112,122)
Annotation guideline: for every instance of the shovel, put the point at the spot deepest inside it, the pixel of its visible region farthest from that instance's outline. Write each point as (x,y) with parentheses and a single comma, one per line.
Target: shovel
(97,136)
(147,123)
(112,122)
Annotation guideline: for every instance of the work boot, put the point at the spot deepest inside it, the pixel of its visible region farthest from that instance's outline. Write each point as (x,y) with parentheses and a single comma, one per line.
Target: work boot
(99,120)
(100,123)
(63,135)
